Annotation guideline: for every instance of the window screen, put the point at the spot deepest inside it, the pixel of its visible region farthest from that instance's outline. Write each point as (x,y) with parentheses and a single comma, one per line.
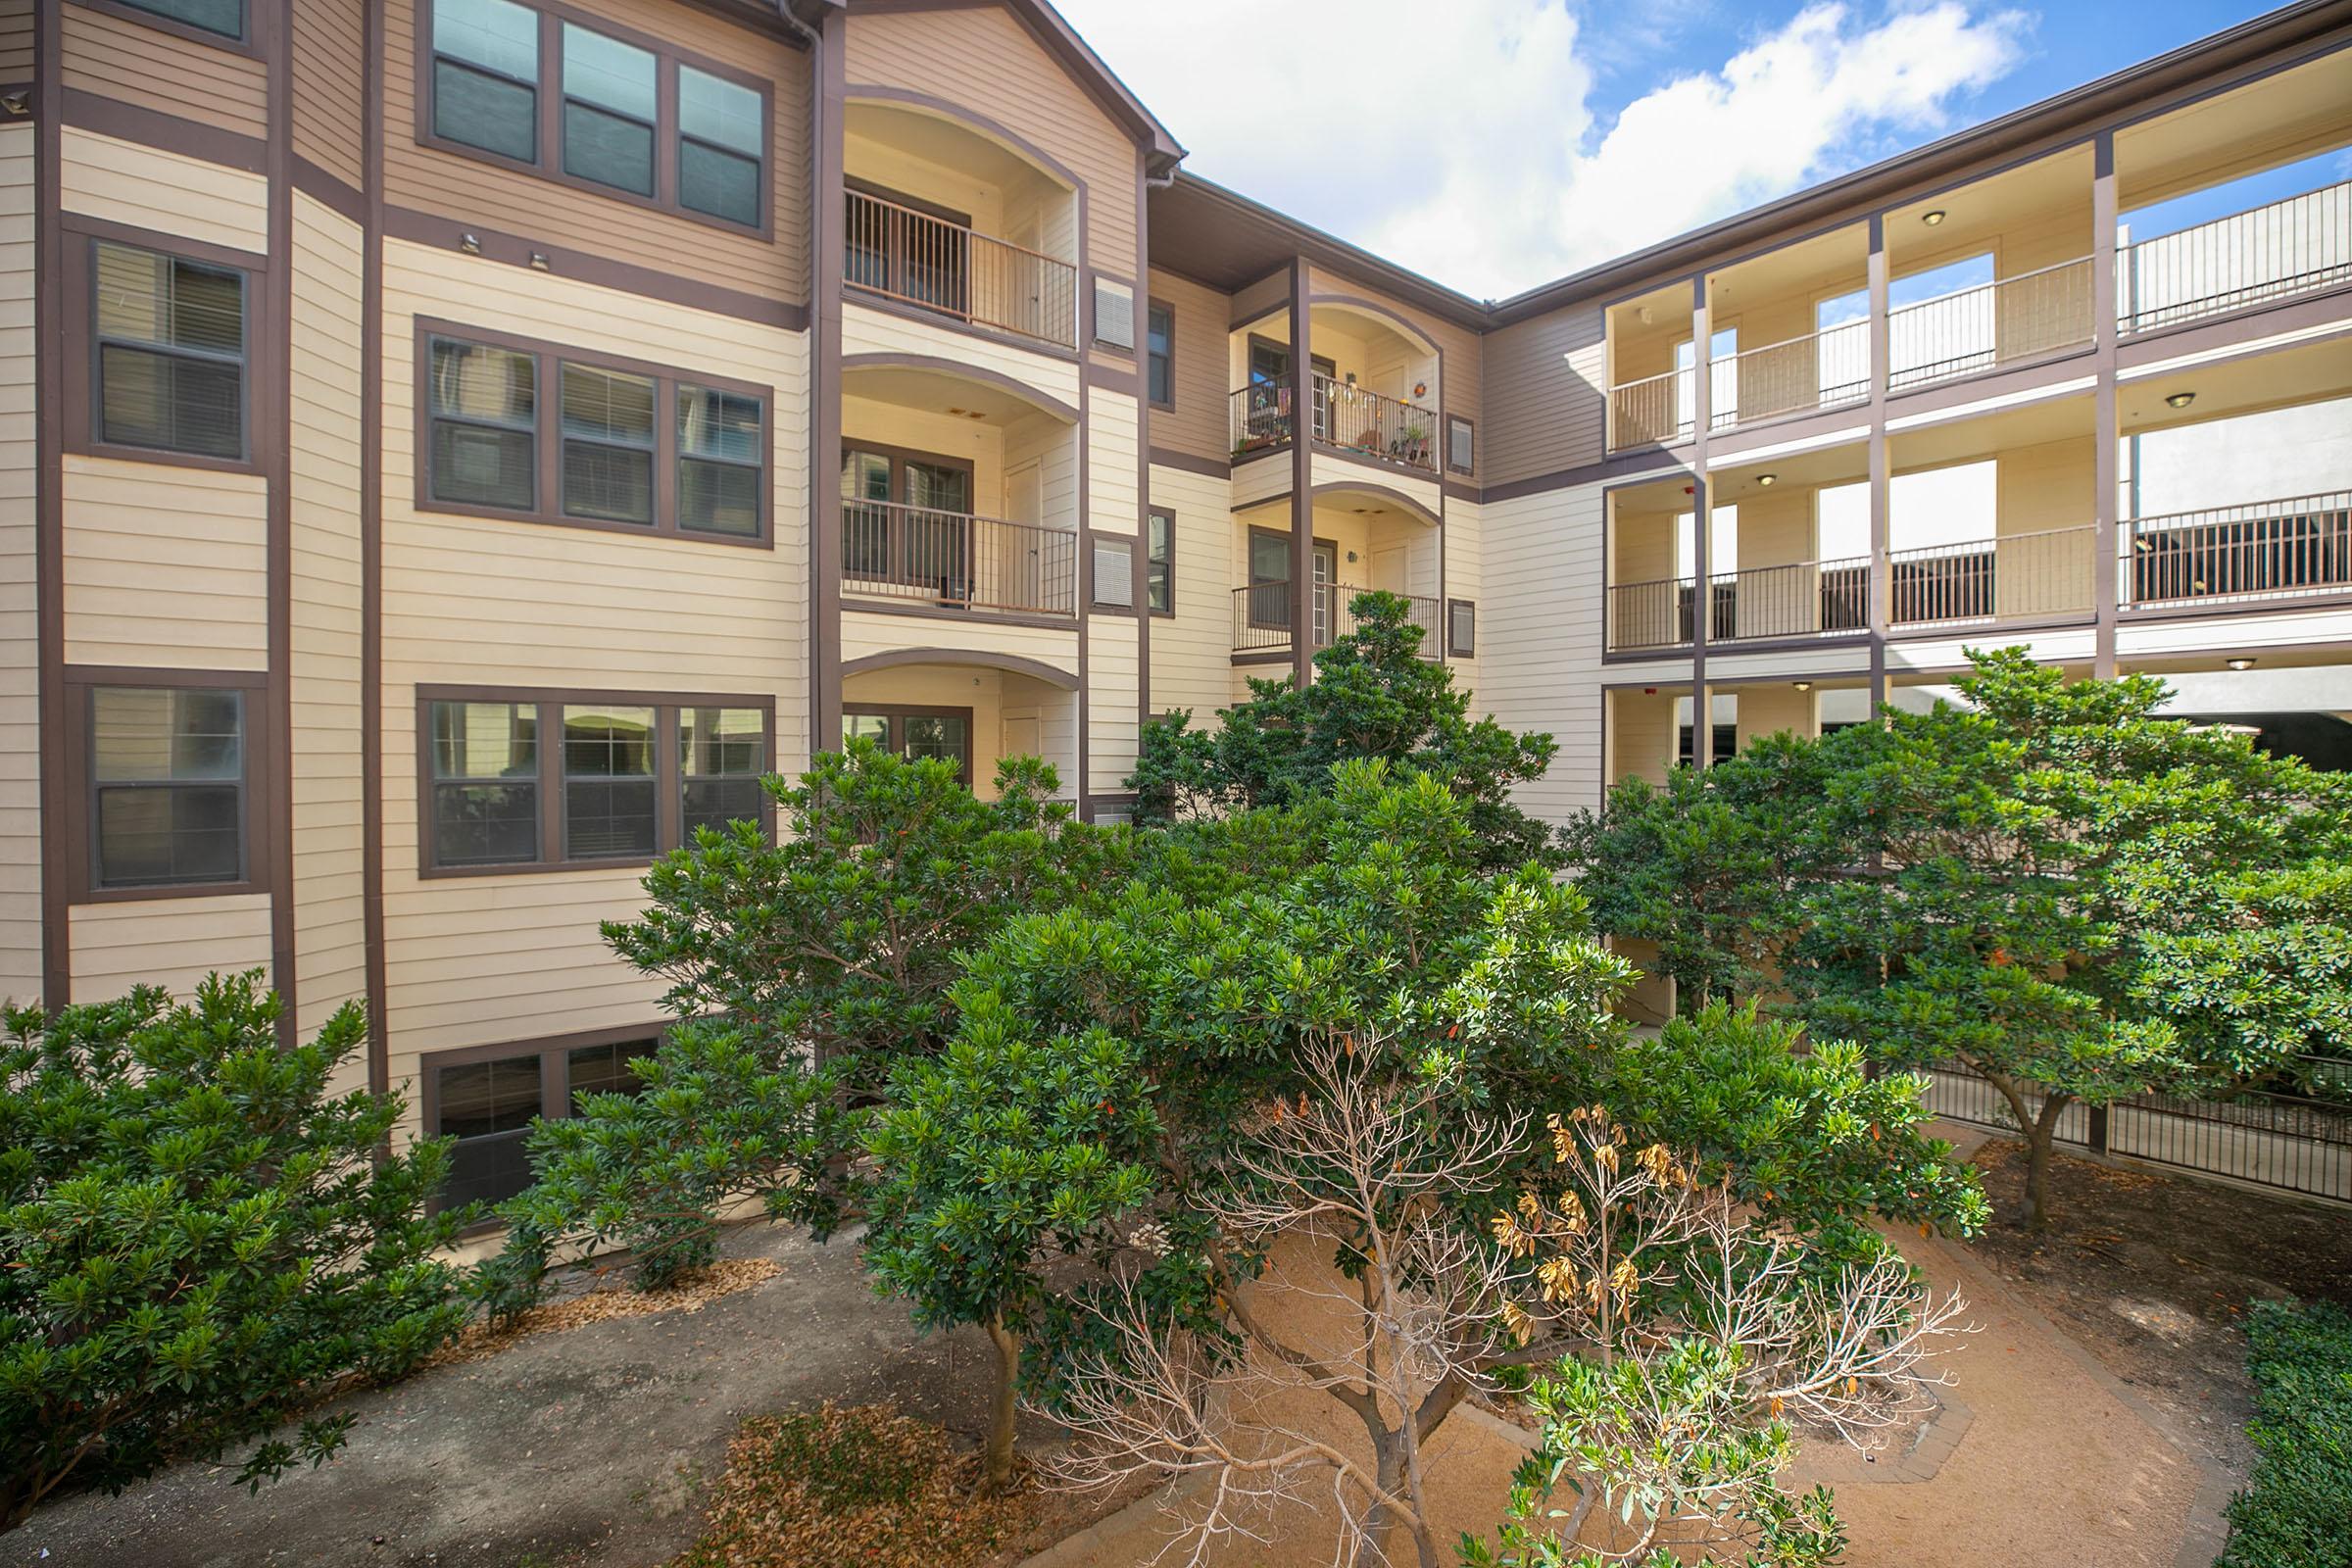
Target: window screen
(1163,346)
(609,104)
(486,75)
(721,753)
(485,792)
(1114,573)
(720,142)
(224,17)
(1160,561)
(609,798)
(171,344)
(605,1069)
(167,770)
(1461,628)
(484,404)
(719,462)
(608,445)
(1461,444)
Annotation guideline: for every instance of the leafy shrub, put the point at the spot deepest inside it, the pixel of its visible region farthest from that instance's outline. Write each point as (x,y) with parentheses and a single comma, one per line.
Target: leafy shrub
(197,1238)
(2296,1511)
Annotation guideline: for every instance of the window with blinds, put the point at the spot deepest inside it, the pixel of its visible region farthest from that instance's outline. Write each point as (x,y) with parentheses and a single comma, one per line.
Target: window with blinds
(171,352)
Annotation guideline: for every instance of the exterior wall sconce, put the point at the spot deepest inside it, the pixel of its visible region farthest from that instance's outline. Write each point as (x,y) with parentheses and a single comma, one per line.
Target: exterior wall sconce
(2179,400)
(1802,685)
(470,244)
(1932,219)
(2241,662)
(539,263)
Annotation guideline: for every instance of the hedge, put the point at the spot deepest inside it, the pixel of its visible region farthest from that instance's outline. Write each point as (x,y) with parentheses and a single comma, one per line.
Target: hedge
(2296,1511)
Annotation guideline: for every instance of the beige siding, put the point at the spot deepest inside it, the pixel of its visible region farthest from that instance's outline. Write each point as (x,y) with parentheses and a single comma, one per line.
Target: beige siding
(117,58)
(1113,502)
(1460,378)
(983,57)
(15,40)
(165,567)
(329,841)
(1192,649)
(171,943)
(1465,576)
(1538,636)
(867,632)
(471,190)
(475,960)
(1545,396)
(147,187)
(871,332)
(1198,425)
(1643,737)
(330,79)
(1331,468)
(20,699)
(1111,694)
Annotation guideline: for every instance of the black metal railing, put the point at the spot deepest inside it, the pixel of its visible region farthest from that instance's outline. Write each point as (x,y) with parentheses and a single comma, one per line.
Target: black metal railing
(1799,598)
(2011,577)
(2266,252)
(1262,617)
(953,560)
(919,259)
(2010,320)
(1375,424)
(1259,416)
(2263,550)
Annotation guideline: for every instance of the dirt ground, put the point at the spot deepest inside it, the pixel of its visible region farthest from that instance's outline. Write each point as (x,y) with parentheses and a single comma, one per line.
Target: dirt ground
(2151,1273)
(586,1447)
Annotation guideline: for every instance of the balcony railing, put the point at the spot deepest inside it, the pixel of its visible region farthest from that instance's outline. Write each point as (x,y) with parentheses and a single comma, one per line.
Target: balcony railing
(1375,424)
(2266,549)
(916,259)
(1827,369)
(2251,258)
(1801,599)
(953,560)
(1259,416)
(1654,410)
(2016,576)
(2042,312)
(1261,617)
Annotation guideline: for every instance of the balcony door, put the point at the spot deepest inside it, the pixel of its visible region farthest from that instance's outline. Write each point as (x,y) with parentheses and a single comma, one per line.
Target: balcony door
(1269,368)
(914,732)
(907,522)
(908,247)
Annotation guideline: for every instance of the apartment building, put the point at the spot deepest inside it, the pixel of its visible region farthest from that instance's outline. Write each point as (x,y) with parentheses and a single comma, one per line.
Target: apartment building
(454,447)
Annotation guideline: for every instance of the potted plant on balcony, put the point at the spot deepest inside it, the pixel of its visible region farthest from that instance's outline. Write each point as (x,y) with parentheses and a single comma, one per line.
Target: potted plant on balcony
(1412,445)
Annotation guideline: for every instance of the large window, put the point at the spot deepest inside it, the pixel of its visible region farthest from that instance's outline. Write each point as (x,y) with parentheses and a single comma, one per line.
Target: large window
(224,18)
(617,445)
(488,1099)
(169,340)
(168,785)
(942,733)
(597,105)
(523,781)
(1160,561)
(1161,356)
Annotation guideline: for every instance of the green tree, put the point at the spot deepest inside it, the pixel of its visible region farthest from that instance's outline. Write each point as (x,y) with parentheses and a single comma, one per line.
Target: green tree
(996,1155)
(198,1238)
(1375,694)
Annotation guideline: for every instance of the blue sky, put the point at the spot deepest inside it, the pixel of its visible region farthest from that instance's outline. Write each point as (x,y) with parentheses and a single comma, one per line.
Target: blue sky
(1496,144)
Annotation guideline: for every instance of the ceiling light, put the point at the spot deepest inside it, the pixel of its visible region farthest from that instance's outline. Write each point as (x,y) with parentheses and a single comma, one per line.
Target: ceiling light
(1766,479)
(2241,662)
(1803,685)
(2179,400)
(1933,218)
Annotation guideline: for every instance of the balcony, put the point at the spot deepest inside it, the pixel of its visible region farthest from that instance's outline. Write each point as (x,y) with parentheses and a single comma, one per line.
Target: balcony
(1261,618)
(2258,257)
(2009,577)
(895,252)
(2249,554)
(1797,598)
(952,560)
(1345,416)
(1827,369)
(1992,325)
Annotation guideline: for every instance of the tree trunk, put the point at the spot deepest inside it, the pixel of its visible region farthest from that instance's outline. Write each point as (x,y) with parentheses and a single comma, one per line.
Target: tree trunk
(1381,1523)
(2041,1132)
(997,1473)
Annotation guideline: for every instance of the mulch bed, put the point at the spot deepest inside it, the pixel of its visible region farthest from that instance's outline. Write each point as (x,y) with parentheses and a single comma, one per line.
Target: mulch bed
(693,1290)
(2153,1273)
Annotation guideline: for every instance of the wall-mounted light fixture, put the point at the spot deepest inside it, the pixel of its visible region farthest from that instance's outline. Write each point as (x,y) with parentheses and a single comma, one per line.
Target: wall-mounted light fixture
(1934,217)
(2241,662)
(1767,480)
(17,105)
(1802,685)
(2179,400)
(470,244)
(539,262)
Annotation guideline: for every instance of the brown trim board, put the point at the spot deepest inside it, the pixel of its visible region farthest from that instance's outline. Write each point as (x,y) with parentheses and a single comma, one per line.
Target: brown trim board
(372,559)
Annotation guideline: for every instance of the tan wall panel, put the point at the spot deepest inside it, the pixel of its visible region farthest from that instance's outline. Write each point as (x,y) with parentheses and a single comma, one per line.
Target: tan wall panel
(1113,504)
(1198,424)
(1641,735)
(1767,710)
(328,830)
(1332,470)
(868,633)
(1112,670)
(19,649)
(146,187)
(471,190)
(165,567)
(117,58)
(329,73)
(172,943)
(1192,649)
(983,57)
(1545,390)
(871,332)
(15,40)
(1538,636)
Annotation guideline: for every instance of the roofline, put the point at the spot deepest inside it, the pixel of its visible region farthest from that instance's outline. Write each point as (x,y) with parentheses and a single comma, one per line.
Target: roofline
(1161,150)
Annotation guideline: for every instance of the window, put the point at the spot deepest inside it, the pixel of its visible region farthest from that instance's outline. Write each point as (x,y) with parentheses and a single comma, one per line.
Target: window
(1461,628)
(608,110)
(171,352)
(1114,573)
(624,114)
(597,458)
(167,768)
(721,144)
(225,18)
(1269,579)
(487,1100)
(486,77)
(905,521)
(915,733)
(1160,561)
(1461,444)
(517,782)
(1161,346)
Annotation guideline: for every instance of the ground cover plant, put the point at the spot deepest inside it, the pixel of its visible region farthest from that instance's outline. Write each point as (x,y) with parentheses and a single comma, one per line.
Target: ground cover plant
(198,1240)
(2297,1505)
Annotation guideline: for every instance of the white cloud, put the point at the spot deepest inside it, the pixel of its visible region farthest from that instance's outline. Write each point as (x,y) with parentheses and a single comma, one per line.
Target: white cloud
(1464,141)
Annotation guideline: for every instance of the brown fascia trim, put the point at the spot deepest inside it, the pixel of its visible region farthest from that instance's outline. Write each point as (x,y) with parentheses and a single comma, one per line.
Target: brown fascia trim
(152,128)
(2050,122)
(371,551)
(272,25)
(1188,463)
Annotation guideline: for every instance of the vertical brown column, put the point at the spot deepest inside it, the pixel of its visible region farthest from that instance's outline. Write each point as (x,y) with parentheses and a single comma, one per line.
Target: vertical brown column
(372,554)
(1303,482)
(1702,525)
(2103,416)
(56,958)
(1881,585)
(274,25)
(829,218)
